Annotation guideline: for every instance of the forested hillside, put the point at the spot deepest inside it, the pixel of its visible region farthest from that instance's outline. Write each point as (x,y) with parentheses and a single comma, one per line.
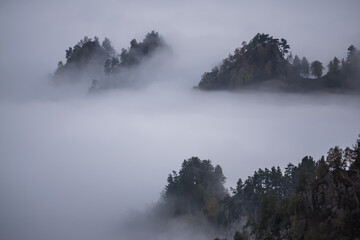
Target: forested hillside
(310,200)
(86,59)
(101,65)
(267,58)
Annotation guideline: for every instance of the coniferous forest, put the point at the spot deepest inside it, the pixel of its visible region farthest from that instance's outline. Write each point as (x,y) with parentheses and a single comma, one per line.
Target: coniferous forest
(263,63)
(101,63)
(314,199)
(268,60)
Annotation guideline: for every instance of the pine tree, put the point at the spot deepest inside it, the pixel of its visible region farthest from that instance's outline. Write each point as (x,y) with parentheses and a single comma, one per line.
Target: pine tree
(305,68)
(356,155)
(297,64)
(317,68)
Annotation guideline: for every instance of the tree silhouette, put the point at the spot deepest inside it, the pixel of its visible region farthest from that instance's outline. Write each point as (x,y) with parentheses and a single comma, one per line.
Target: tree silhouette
(305,68)
(317,68)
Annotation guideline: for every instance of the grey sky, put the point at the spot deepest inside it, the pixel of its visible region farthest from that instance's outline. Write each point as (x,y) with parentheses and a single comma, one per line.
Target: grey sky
(38,32)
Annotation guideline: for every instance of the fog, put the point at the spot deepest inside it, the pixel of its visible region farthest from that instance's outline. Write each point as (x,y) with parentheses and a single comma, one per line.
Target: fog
(75,165)
(71,169)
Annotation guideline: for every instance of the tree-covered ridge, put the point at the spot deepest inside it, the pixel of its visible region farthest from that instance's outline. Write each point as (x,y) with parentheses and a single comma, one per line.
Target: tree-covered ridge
(341,75)
(87,57)
(198,187)
(91,60)
(267,58)
(321,201)
(312,200)
(261,59)
(117,67)
(135,53)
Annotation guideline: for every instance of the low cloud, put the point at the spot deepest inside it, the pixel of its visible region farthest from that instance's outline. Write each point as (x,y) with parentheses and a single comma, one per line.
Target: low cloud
(76,165)
(73,168)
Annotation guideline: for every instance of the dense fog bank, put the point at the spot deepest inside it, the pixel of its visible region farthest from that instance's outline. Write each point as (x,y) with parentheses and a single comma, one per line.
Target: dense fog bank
(75,165)
(73,168)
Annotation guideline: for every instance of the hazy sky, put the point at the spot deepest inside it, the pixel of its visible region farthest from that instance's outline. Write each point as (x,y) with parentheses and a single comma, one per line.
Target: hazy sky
(72,164)
(35,34)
